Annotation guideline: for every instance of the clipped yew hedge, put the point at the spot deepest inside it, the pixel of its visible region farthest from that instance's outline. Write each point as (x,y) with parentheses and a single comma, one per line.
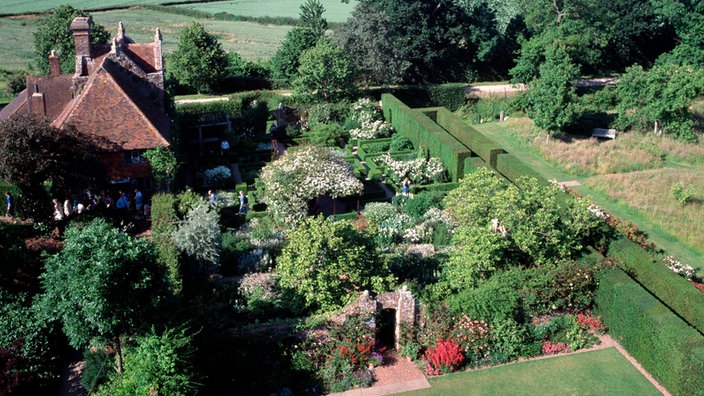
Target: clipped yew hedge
(424,132)
(672,289)
(512,168)
(486,148)
(666,346)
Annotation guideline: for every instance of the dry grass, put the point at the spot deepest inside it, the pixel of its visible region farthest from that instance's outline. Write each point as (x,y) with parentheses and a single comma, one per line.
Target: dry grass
(589,156)
(649,192)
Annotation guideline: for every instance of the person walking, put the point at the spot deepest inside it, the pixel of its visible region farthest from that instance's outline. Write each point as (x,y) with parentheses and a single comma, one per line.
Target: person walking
(243,203)
(405,186)
(9,211)
(211,195)
(138,202)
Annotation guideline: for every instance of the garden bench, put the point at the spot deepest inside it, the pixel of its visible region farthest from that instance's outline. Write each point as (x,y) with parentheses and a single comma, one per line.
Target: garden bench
(604,133)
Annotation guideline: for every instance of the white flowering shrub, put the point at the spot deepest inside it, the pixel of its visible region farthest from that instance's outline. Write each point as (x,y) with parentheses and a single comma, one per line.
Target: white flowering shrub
(378,212)
(418,234)
(368,121)
(677,267)
(418,170)
(302,174)
(198,235)
(393,229)
(218,177)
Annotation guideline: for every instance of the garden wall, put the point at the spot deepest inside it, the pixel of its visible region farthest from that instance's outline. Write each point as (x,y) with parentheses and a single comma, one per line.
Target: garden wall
(666,346)
(673,290)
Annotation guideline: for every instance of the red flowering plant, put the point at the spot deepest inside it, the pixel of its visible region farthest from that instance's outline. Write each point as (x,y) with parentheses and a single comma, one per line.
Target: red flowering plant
(631,231)
(591,323)
(444,357)
(474,337)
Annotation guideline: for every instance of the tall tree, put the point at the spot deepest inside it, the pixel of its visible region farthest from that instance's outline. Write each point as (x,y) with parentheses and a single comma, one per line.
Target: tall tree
(199,60)
(312,17)
(325,72)
(34,152)
(551,96)
(370,45)
(299,39)
(103,285)
(55,34)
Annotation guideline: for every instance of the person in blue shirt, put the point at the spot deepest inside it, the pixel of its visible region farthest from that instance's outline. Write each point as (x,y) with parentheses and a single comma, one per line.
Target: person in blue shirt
(212,196)
(243,203)
(10,205)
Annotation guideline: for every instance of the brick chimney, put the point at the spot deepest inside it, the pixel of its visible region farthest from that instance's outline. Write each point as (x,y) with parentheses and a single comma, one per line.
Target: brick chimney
(54,64)
(37,104)
(81,38)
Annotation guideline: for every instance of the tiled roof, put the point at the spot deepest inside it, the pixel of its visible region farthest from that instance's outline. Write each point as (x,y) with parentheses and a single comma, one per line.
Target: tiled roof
(115,105)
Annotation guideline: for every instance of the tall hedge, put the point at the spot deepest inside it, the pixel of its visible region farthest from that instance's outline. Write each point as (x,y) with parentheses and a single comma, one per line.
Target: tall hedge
(512,168)
(424,132)
(668,348)
(163,216)
(673,290)
(486,148)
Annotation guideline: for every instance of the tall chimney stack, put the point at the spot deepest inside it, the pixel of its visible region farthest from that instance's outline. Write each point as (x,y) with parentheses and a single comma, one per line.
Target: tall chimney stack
(54,64)
(81,38)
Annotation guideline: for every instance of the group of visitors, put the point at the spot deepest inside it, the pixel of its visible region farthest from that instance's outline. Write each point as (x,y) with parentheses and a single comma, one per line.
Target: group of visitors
(126,205)
(241,197)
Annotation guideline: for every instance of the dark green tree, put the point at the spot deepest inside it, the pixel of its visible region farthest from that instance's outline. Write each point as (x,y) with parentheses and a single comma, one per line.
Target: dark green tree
(34,153)
(551,96)
(660,96)
(103,285)
(325,72)
(55,34)
(199,60)
(370,45)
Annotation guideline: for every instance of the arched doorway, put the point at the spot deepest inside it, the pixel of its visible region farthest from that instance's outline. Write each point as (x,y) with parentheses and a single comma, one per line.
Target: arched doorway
(386,329)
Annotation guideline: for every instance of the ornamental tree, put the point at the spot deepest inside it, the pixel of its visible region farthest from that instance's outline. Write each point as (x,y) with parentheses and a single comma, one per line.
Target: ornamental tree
(325,72)
(303,174)
(102,285)
(329,262)
(504,225)
(55,34)
(199,60)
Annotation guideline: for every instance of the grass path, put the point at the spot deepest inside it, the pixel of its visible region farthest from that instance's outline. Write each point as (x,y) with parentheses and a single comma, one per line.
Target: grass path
(662,238)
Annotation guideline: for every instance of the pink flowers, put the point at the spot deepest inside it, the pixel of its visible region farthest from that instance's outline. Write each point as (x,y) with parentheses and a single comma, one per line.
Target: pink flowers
(553,348)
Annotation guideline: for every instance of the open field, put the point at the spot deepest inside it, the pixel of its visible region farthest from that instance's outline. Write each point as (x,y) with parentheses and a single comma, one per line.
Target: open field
(630,195)
(23,6)
(600,372)
(335,10)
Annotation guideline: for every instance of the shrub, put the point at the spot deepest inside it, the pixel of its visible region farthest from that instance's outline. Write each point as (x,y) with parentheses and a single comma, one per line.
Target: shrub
(400,143)
(445,357)
(163,215)
(261,291)
(199,237)
(218,178)
(420,203)
(680,194)
(474,337)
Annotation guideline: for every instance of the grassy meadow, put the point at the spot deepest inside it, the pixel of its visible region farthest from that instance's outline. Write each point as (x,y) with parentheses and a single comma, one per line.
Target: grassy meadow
(600,372)
(335,10)
(23,6)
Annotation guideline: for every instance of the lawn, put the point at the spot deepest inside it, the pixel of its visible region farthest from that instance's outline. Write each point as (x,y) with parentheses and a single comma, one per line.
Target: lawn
(24,6)
(600,372)
(335,10)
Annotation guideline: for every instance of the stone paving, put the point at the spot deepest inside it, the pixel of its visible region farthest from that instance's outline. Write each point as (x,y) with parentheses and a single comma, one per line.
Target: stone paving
(395,376)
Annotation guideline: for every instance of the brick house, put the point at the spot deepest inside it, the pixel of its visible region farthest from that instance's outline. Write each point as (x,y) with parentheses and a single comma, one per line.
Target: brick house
(116,95)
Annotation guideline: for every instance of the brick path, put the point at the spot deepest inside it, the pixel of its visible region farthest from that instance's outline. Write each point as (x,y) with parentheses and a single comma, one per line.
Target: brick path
(395,376)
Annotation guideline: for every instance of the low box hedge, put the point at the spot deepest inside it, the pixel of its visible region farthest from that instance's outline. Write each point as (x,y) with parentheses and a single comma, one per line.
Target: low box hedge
(673,290)
(666,346)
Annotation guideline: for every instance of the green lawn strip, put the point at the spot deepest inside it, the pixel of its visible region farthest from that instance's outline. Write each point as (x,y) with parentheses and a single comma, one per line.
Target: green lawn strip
(661,237)
(335,10)
(23,6)
(600,372)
